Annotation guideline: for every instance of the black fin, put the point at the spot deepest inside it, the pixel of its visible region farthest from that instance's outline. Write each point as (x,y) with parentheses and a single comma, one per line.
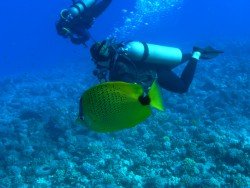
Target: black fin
(208,52)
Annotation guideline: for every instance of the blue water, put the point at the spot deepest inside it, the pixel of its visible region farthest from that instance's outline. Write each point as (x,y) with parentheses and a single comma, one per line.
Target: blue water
(28,37)
(202,139)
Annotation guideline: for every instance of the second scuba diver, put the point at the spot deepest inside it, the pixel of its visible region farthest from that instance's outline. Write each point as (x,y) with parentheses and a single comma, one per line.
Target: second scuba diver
(142,63)
(75,21)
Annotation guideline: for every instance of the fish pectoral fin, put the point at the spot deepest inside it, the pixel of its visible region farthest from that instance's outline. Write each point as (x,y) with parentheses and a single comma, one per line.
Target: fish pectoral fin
(156,97)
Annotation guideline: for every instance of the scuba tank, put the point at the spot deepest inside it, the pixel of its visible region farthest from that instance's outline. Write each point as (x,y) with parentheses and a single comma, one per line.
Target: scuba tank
(79,7)
(153,54)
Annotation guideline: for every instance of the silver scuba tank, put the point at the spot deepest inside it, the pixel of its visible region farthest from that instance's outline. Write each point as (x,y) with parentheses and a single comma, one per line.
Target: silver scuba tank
(88,3)
(153,54)
(79,7)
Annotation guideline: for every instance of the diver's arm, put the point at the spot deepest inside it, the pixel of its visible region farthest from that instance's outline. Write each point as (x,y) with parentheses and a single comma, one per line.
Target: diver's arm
(170,81)
(99,8)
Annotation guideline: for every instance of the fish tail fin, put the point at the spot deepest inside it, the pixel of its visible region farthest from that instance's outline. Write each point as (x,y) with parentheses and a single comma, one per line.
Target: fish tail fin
(156,97)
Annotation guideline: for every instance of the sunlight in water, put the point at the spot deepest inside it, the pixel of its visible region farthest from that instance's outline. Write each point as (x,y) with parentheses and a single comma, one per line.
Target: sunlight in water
(145,13)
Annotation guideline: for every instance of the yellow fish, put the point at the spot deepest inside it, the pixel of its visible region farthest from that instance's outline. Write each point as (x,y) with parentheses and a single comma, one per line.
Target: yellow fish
(113,106)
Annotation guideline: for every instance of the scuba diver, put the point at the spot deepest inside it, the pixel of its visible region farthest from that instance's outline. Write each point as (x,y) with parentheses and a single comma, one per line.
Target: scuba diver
(142,63)
(75,21)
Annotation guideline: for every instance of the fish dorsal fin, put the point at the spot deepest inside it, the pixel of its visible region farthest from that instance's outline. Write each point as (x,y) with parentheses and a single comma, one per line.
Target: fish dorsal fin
(155,97)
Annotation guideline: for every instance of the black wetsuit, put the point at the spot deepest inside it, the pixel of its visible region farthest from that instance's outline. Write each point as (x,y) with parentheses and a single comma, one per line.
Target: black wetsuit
(170,81)
(122,68)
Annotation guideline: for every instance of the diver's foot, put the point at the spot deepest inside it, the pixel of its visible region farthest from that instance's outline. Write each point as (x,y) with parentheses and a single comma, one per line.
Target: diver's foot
(207,52)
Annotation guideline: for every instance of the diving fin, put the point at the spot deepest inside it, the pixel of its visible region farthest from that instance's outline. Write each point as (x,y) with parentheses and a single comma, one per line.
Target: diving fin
(207,52)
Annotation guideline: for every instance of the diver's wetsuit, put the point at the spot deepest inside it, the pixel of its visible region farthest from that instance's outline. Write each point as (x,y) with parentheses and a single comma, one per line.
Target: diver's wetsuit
(170,81)
(122,69)
(99,8)
(79,26)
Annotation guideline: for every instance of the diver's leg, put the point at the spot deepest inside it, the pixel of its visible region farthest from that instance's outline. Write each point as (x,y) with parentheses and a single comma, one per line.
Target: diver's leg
(100,7)
(185,58)
(170,81)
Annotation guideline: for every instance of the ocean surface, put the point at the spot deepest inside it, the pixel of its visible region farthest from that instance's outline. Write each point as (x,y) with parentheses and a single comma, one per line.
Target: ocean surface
(202,139)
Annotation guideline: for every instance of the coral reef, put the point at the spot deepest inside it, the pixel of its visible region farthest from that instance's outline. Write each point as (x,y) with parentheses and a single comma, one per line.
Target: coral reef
(201,140)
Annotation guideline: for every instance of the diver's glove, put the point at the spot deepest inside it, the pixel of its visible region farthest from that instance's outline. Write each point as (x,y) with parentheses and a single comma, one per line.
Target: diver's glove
(205,53)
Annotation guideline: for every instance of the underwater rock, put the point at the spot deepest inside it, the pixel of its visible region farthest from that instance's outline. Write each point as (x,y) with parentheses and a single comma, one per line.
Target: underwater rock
(54,129)
(190,181)
(87,168)
(209,85)
(43,170)
(189,166)
(4,130)
(233,156)
(173,181)
(212,182)
(239,180)
(62,155)
(182,107)
(12,159)
(30,114)
(2,173)
(156,181)
(14,170)
(28,151)
(42,182)
(6,182)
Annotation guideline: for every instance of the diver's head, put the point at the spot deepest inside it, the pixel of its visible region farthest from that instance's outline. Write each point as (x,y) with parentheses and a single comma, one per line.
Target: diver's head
(100,51)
